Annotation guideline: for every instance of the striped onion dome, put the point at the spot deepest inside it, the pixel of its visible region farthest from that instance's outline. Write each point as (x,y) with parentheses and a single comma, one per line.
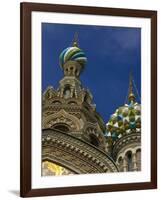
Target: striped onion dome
(72,54)
(125,120)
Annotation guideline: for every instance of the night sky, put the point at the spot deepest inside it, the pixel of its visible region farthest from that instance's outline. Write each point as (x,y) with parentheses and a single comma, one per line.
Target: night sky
(112,53)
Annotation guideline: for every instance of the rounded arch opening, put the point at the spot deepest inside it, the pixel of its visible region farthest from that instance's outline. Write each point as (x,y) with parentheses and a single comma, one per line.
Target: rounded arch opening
(57,102)
(129,160)
(94,140)
(120,163)
(138,159)
(61,127)
(67,92)
(72,103)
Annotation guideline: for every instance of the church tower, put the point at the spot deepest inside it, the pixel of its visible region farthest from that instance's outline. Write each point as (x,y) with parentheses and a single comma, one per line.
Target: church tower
(70,108)
(124,133)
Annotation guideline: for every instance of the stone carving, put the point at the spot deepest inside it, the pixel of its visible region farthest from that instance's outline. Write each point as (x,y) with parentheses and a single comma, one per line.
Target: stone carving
(74,136)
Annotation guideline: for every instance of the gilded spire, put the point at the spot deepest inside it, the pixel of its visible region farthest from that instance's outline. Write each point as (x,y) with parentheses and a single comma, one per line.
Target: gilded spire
(75,40)
(131,96)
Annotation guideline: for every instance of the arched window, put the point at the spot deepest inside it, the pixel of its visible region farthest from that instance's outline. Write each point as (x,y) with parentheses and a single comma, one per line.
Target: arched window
(120,164)
(76,72)
(94,140)
(61,127)
(56,102)
(67,92)
(66,71)
(138,159)
(86,98)
(72,103)
(129,160)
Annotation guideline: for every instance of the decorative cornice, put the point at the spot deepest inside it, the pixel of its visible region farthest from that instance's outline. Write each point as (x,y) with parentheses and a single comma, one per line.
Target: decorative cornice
(95,160)
(126,140)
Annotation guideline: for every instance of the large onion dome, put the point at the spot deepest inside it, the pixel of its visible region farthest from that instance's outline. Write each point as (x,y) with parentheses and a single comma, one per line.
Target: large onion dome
(125,120)
(73,53)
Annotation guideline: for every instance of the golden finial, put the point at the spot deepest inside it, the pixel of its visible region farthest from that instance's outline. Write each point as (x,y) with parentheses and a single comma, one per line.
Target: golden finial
(131,96)
(75,40)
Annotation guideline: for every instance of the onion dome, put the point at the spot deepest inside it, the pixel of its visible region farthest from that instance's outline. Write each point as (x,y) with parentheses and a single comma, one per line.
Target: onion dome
(126,119)
(73,53)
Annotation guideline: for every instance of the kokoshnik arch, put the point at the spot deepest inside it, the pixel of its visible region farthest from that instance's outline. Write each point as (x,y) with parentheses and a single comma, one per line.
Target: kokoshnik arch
(75,139)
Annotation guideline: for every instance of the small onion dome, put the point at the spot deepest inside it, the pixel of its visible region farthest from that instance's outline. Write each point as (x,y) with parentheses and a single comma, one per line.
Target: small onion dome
(72,54)
(125,120)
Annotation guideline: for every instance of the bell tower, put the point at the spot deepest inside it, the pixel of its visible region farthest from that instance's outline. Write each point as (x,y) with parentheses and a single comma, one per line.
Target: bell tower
(124,133)
(72,62)
(70,108)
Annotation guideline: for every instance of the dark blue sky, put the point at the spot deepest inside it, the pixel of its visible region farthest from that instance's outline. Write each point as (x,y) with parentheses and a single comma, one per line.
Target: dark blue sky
(112,52)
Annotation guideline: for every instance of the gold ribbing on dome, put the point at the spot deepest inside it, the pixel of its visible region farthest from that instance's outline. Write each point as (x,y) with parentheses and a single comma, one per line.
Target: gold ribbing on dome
(131,96)
(75,40)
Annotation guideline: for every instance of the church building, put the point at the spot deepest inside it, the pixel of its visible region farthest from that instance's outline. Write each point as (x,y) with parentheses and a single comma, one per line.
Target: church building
(75,139)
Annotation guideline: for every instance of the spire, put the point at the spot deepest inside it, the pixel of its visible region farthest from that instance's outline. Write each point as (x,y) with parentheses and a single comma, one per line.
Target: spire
(75,40)
(131,96)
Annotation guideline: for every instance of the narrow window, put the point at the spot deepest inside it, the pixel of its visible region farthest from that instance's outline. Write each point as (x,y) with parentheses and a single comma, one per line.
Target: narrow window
(129,160)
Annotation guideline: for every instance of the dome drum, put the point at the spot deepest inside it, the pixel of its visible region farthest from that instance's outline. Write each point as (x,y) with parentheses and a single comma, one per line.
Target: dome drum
(133,139)
(72,68)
